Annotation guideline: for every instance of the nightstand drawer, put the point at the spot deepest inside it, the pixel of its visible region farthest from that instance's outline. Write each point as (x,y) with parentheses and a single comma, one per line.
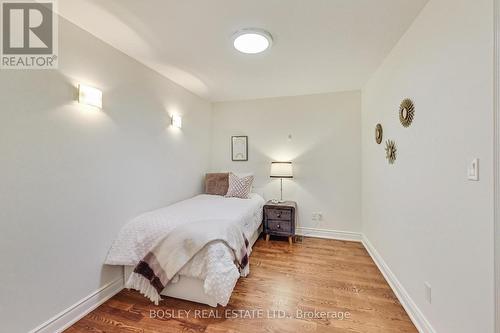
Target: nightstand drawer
(279,214)
(279,226)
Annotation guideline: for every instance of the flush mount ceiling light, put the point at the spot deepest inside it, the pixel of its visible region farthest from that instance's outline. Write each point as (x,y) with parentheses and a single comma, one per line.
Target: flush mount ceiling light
(252,41)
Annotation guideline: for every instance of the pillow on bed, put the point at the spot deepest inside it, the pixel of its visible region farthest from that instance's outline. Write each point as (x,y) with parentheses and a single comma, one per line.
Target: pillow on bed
(216,183)
(239,187)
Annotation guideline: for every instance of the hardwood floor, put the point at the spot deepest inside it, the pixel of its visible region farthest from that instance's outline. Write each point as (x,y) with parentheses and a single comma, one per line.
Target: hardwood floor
(298,282)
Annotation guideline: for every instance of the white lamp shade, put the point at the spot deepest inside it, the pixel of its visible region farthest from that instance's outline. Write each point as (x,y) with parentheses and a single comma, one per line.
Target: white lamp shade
(281,170)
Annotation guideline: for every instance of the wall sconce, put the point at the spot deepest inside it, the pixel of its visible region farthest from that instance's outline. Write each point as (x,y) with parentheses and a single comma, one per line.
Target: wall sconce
(177,121)
(89,96)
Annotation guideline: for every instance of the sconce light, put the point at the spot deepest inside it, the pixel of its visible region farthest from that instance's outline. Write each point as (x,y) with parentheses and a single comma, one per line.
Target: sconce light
(177,121)
(89,96)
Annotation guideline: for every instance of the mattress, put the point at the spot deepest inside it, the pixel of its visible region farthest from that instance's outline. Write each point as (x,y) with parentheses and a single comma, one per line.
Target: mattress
(215,263)
(191,288)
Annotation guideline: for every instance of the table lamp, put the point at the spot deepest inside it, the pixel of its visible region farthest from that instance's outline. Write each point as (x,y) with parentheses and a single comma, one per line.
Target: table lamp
(281,170)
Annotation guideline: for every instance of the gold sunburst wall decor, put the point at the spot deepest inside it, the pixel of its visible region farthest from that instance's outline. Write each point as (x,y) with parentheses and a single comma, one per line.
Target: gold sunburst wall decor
(390,151)
(406,112)
(379,134)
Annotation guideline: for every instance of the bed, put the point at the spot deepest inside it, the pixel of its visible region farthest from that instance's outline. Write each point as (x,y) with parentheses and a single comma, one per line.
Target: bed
(210,276)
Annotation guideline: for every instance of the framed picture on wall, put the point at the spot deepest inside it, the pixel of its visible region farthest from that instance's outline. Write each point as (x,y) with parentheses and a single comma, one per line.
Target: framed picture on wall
(239,148)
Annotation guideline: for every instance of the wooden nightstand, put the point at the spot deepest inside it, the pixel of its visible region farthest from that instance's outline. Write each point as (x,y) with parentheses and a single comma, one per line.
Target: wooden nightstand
(279,219)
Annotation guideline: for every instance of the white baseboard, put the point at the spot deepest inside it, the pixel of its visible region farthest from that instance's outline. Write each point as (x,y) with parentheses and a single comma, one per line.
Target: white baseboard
(329,234)
(80,309)
(416,316)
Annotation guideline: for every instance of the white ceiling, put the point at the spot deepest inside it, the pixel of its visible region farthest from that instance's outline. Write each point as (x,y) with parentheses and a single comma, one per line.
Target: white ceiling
(319,45)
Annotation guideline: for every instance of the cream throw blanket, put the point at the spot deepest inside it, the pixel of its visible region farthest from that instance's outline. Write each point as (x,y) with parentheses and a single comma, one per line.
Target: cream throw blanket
(171,253)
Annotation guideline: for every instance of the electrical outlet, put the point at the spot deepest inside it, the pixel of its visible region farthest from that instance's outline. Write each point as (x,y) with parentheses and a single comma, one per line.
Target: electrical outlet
(428,292)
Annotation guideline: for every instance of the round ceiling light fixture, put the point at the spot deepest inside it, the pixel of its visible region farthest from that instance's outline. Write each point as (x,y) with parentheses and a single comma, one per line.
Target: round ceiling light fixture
(252,41)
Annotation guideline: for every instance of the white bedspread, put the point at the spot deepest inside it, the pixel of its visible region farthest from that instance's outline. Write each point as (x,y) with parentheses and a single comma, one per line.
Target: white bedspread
(215,263)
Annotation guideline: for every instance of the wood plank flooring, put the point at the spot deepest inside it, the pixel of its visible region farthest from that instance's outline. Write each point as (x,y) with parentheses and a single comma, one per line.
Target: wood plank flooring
(296,282)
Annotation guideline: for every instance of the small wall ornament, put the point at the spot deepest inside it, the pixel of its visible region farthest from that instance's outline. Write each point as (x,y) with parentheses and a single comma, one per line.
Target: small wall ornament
(406,112)
(390,151)
(379,134)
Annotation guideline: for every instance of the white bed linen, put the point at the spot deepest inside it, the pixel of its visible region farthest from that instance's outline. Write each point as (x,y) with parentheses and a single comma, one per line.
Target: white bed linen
(215,263)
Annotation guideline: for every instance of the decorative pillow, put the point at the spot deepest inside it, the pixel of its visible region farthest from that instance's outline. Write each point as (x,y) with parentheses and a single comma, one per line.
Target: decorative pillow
(216,183)
(239,187)
(245,174)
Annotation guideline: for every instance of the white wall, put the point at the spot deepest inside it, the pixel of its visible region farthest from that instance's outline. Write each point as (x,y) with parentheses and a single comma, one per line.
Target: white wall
(428,222)
(325,150)
(71,177)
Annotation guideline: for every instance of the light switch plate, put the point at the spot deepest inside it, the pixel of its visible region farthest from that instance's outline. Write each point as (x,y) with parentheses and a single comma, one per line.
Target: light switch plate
(473,170)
